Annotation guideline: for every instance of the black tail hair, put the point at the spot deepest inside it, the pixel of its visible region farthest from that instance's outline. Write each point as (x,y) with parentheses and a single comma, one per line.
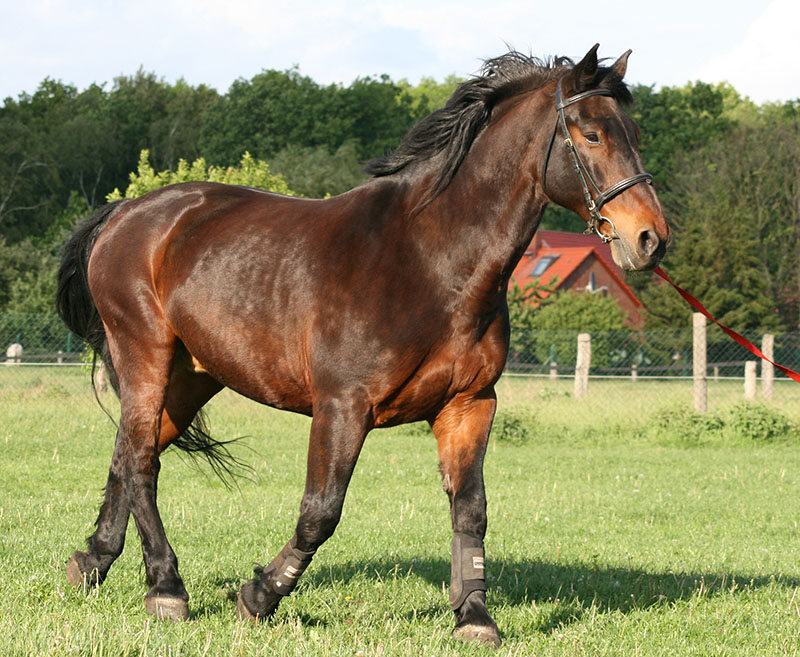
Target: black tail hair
(76,307)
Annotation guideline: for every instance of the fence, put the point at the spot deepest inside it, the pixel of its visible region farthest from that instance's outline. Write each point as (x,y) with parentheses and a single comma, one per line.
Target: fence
(646,367)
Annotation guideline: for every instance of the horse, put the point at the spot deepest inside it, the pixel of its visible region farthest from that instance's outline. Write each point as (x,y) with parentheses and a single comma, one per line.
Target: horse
(383,305)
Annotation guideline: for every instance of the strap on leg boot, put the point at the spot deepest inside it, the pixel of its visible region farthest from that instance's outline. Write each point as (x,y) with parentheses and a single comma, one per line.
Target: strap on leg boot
(285,569)
(467,568)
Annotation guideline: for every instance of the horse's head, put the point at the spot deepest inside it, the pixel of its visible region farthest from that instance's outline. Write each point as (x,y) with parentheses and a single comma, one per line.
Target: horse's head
(593,165)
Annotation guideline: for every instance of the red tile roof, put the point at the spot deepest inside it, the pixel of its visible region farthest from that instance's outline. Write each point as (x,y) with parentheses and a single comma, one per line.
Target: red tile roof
(556,239)
(572,249)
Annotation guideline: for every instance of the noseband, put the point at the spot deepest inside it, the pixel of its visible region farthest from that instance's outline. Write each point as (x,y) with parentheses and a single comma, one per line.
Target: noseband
(601,197)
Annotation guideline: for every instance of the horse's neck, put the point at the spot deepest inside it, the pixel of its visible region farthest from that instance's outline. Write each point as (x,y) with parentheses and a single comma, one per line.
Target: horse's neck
(485,219)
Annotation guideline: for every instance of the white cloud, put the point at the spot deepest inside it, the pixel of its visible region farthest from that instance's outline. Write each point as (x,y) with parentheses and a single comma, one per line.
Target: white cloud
(763,64)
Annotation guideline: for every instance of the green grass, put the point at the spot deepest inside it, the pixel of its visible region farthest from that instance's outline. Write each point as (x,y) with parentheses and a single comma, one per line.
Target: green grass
(608,534)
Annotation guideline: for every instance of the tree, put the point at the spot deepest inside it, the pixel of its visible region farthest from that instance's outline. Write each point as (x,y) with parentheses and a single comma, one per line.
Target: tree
(250,173)
(314,173)
(429,95)
(267,113)
(557,324)
(735,210)
(523,304)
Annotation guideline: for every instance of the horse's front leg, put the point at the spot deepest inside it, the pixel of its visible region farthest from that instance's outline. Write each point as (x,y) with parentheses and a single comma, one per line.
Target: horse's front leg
(337,434)
(462,432)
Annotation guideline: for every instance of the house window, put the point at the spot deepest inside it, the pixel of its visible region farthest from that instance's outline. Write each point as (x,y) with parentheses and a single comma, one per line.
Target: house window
(541,266)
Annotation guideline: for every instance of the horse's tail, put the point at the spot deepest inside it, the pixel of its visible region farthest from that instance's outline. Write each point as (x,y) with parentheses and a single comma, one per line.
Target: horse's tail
(77,308)
(74,301)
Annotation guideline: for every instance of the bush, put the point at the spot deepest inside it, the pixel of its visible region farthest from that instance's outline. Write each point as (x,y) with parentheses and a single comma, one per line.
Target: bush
(759,423)
(746,422)
(557,325)
(250,173)
(512,427)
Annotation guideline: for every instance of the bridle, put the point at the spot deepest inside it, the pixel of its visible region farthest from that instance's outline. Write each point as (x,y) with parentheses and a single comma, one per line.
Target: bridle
(601,197)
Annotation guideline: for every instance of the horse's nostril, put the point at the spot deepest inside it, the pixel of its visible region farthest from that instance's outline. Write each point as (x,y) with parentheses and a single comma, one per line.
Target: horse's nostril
(649,242)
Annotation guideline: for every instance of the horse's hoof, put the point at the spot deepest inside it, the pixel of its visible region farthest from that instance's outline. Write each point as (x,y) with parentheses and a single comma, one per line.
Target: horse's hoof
(167,608)
(484,634)
(243,613)
(77,577)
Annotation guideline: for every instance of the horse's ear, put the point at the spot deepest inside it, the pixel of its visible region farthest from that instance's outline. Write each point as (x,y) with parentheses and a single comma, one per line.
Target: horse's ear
(585,69)
(621,65)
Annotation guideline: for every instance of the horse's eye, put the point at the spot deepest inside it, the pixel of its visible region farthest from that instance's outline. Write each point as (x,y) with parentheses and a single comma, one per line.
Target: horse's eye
(591,137)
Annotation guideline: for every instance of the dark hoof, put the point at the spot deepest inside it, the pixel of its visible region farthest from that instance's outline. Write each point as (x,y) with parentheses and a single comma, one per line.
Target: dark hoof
(484,634)
(167,608)
(254,603)
(243,613)
(79,575)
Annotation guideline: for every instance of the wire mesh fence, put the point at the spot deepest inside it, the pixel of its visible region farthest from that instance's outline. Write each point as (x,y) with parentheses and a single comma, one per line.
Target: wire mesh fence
(642,369)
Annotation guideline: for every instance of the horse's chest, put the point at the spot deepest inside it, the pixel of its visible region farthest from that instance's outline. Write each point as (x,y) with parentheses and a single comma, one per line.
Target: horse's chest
(460,366)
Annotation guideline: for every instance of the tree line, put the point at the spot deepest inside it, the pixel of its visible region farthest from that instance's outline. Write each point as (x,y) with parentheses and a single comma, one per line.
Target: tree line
(727,171)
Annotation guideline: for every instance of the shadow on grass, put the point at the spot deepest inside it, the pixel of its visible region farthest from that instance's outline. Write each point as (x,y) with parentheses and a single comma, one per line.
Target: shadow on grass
(564,593)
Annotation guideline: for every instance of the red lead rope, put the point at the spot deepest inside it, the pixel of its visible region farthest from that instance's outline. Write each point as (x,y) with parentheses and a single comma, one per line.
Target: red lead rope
(699,307)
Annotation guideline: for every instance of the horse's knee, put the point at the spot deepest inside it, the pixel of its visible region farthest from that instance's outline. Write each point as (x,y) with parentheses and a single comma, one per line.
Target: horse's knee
(316,525)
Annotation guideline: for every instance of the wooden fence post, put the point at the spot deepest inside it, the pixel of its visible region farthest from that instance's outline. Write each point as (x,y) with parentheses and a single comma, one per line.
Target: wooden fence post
(699,363)
(750,380)
(582,364)
(767,368)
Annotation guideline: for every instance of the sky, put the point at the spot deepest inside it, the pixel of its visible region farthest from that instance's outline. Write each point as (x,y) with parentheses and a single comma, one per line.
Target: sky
(751,45)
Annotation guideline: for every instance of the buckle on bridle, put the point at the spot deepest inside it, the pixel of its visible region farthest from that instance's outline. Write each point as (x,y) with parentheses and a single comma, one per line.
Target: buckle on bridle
(593,226)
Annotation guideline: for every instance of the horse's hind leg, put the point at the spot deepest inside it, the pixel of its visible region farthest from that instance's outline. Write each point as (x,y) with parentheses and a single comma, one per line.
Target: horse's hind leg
(143,358)
(186,395)
(462,432)
(86,569)
(337,434)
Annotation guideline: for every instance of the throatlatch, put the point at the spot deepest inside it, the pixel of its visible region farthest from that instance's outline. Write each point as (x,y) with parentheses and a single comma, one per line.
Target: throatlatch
(467,568)
(284,571)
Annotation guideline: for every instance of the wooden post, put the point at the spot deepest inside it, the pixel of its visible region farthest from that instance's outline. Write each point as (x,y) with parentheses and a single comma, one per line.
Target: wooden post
(634,372)
(582,364)
(553,370)
(101,378)
(699,363)
(750,381)
(767,368)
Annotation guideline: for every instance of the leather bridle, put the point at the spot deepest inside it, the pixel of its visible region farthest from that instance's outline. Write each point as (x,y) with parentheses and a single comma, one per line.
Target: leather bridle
(601,197)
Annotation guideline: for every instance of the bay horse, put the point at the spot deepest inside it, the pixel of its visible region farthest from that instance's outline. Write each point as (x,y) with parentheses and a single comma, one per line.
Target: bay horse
(384,305)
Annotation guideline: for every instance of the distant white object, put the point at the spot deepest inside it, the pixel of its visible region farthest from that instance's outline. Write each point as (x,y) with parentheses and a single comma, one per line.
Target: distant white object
(14,353)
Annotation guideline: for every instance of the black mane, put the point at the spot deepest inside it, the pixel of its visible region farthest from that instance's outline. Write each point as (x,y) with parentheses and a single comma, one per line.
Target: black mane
(452,129)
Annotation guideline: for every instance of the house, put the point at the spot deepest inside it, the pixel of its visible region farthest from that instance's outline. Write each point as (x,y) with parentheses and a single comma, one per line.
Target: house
(580,262)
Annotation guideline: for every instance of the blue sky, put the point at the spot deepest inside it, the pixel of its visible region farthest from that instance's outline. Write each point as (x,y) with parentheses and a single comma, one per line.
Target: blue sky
(752,45)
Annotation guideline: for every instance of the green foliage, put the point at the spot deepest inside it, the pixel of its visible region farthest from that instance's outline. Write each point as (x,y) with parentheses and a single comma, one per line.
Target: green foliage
(513,426)
(571,313)
(523,304)
(250,173)
(314,173)
(760,423)
(58,141)
(685,425)
(276,109)
(743,423)
(429,95)
(676,120)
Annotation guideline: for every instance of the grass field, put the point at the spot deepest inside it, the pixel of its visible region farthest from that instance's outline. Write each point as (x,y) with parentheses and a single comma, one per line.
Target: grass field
(612,531)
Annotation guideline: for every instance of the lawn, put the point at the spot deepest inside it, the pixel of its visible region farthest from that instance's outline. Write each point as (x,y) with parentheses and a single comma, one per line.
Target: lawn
(616,527)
